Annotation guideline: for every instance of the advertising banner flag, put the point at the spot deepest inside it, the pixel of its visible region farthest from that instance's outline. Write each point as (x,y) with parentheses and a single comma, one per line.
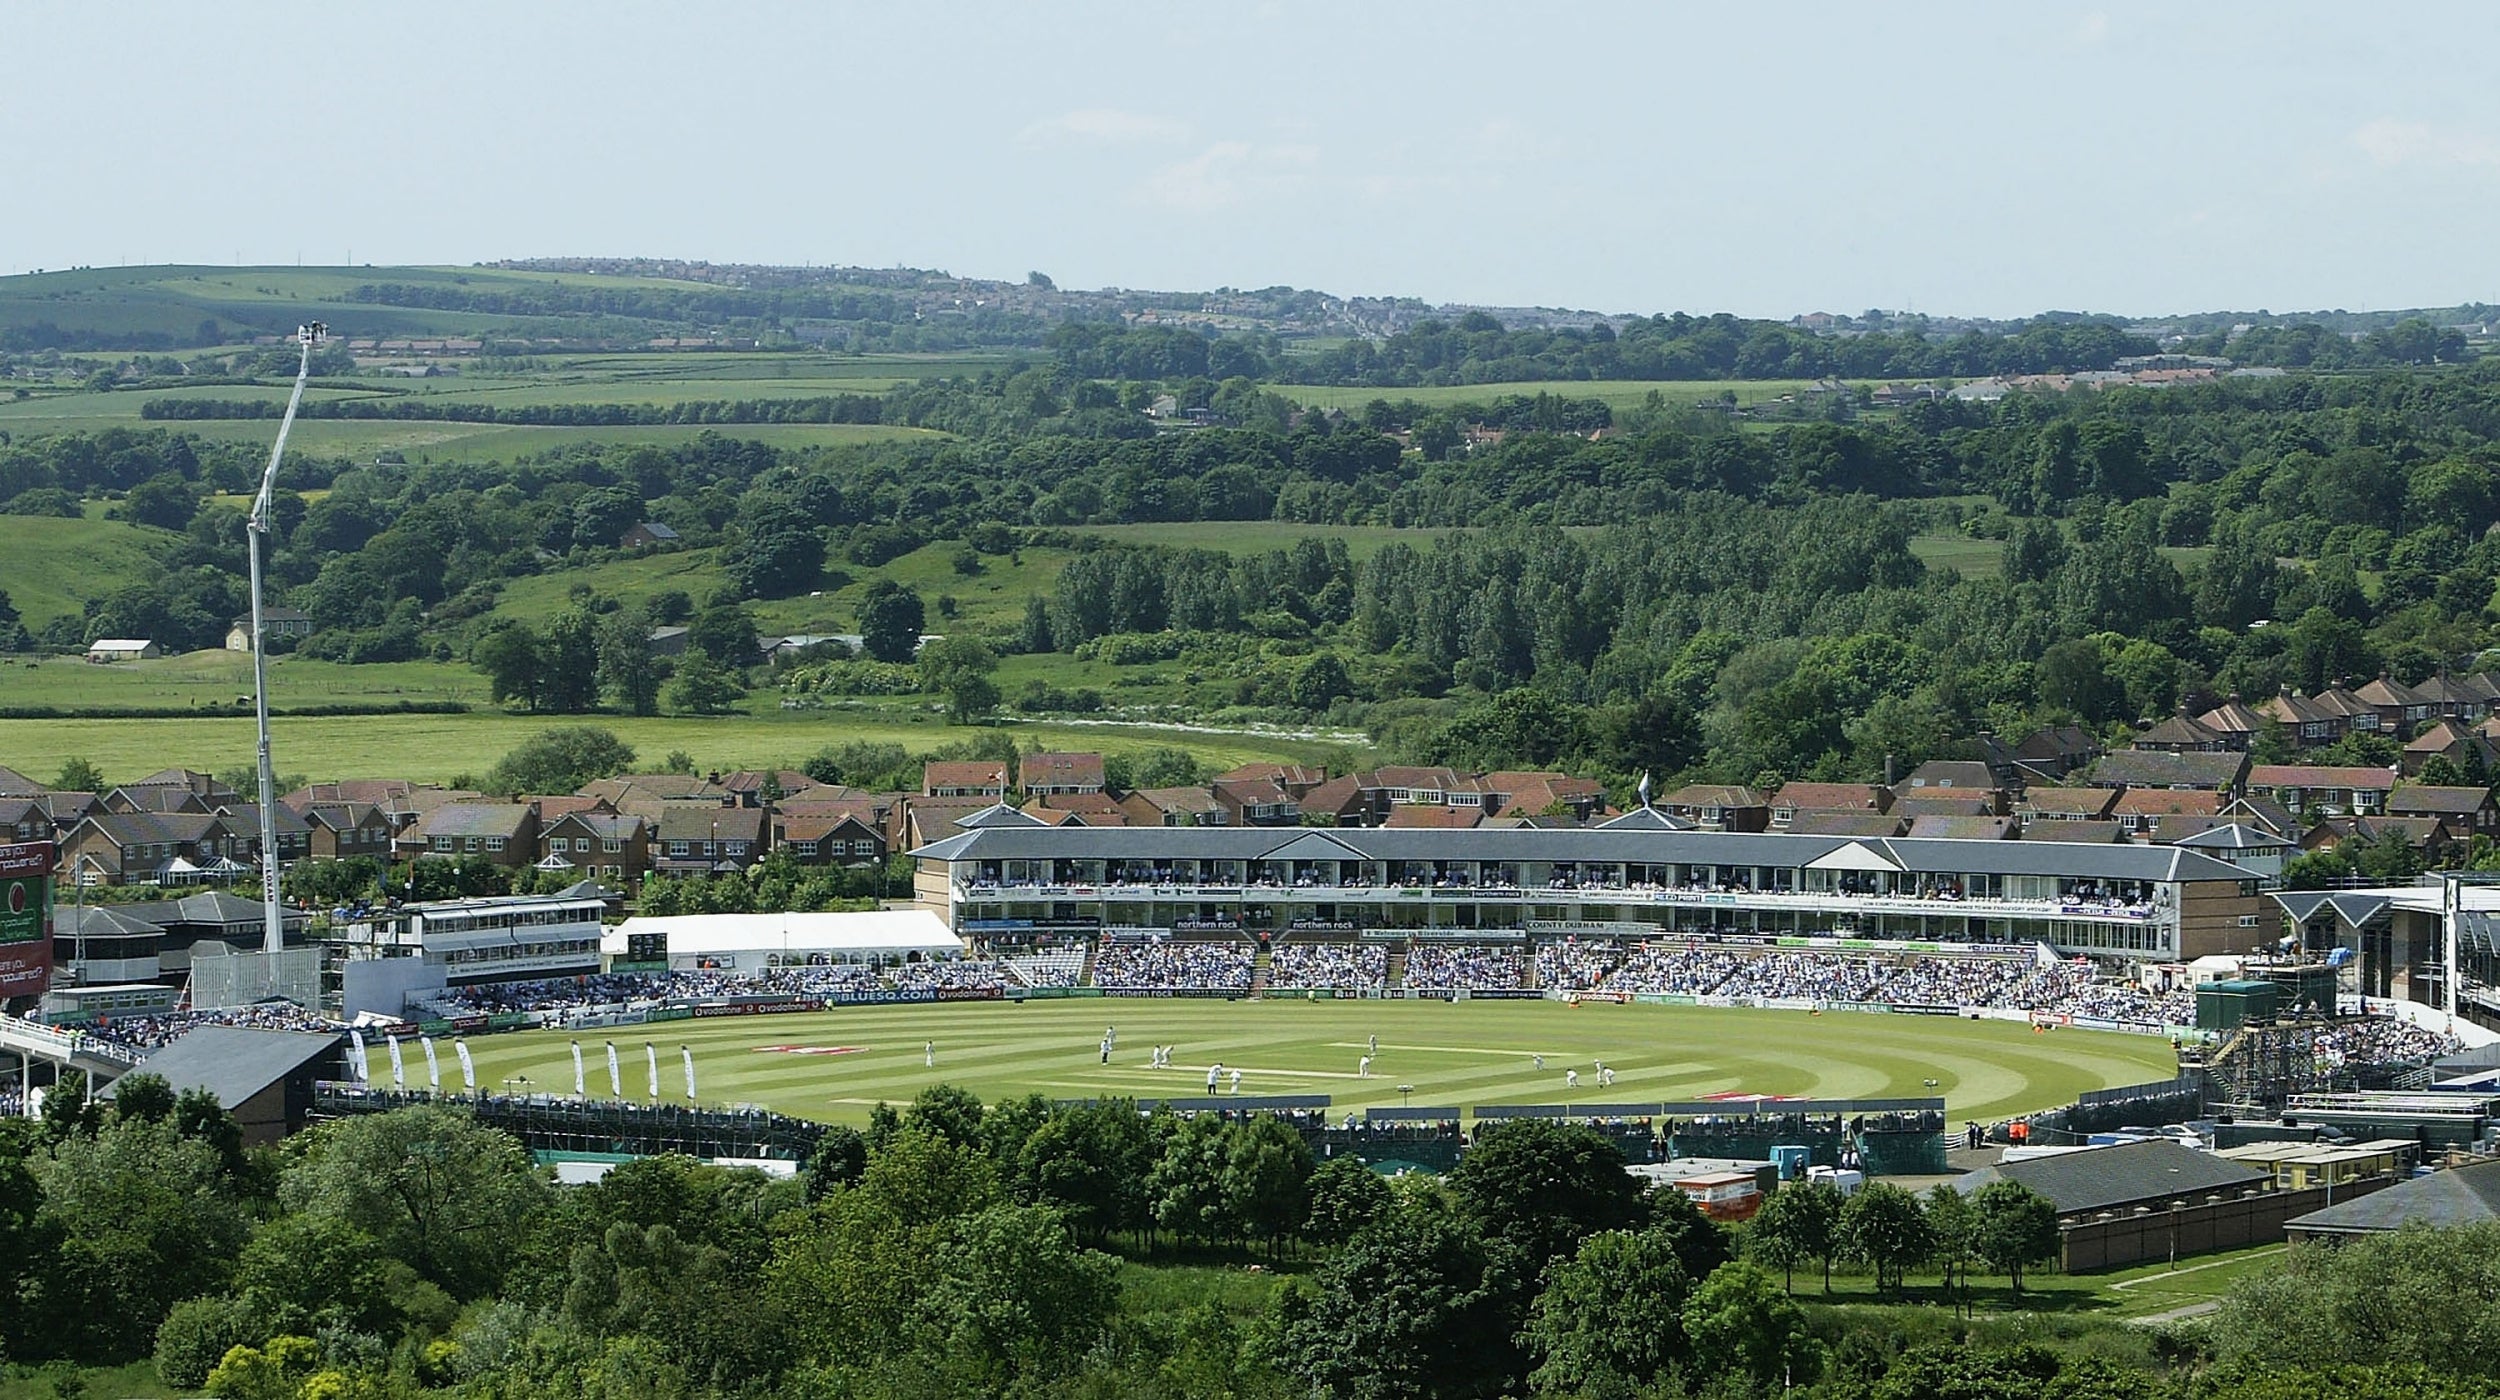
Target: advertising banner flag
(26,918)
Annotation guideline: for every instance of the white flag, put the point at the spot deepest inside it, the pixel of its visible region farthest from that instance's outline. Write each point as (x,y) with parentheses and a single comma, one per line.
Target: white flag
(579,1091)
(616,1077)
(399,1072)
(468,1067)
(689,1054)
(433,1067)
(356,1063)
(651,1053)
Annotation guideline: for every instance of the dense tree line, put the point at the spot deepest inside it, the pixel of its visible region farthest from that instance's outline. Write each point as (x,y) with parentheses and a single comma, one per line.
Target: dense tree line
(954,1247)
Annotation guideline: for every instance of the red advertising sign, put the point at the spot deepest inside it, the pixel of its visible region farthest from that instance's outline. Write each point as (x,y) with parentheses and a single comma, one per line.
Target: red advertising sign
(26,918)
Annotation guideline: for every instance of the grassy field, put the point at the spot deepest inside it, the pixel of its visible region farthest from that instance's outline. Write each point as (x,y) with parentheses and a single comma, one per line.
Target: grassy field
(1452,1055)
(218,677)
(1617,393)
(440,747)
(1984,558)
(361,441)
(51,566)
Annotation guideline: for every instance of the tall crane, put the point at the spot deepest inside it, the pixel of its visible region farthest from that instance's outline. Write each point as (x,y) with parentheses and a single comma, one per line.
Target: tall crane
(273,922)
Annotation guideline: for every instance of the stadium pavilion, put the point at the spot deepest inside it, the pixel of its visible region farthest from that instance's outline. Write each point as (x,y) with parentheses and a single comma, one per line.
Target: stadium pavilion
(1007,876)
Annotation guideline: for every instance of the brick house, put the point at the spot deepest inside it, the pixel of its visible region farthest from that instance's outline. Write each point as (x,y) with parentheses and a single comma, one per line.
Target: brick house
(698,838)
(831,839)
(346,830)
(981,778)
(503,833)
(1054,774)
(604,845)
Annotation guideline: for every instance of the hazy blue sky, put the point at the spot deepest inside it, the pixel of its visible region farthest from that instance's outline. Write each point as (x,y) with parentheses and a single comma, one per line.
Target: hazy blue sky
(1992,159)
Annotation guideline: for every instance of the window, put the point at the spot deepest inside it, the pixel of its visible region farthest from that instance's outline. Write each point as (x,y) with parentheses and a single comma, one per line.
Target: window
(678,848)
(802,848)
(611,845)
(442,843)
(863,848)
(494,843)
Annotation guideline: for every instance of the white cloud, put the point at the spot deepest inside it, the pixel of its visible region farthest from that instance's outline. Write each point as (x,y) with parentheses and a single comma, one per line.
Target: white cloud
(1104,126)
(2092,29)
(1228,173)
(2391,143)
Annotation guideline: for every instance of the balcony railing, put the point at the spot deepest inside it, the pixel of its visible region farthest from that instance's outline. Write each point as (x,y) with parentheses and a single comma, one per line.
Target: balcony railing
(1636,895)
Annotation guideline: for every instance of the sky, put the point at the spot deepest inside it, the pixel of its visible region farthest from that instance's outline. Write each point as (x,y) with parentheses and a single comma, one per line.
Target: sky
(1988,160)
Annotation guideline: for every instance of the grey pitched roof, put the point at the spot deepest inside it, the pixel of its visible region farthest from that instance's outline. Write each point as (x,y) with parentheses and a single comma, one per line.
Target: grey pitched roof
(2458,1196)
(2154,768)
(2106,1178)
(1644,819)
(2230,836)
(235,1062)
(99,921)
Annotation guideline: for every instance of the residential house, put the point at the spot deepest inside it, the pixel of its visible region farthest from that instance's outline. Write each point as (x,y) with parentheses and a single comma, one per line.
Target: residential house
(1718,807)
(2449,739)
(1336,802)
(2181,733)
(346,831)
(1936,803)
(1175,806)
(980,778)
(650,534)
(293,833)
(2054,751)
(696,838)
(1079,809)
(1847,824)
(1509,793)
(2306,722)
(2133,768)
(667,641)
(2466,699)
(276,622)
(1958,776)
(503,833)
(763,789)
(205,786)
(2336,791)
(609,846)
(2138,809)
(154,848)
(155,797)
(2236,722)
(16,784)
(1054,774)
(2054,804)
(2434,837)
(646,793)
(1294,778)
(1257,801)
(829,840)
(1799,797)
(123,649)
(2466,810)
(24,819)
(2400,708)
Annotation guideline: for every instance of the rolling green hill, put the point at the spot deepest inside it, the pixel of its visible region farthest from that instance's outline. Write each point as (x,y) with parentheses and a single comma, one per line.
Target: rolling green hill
(173,302)
(51,567)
